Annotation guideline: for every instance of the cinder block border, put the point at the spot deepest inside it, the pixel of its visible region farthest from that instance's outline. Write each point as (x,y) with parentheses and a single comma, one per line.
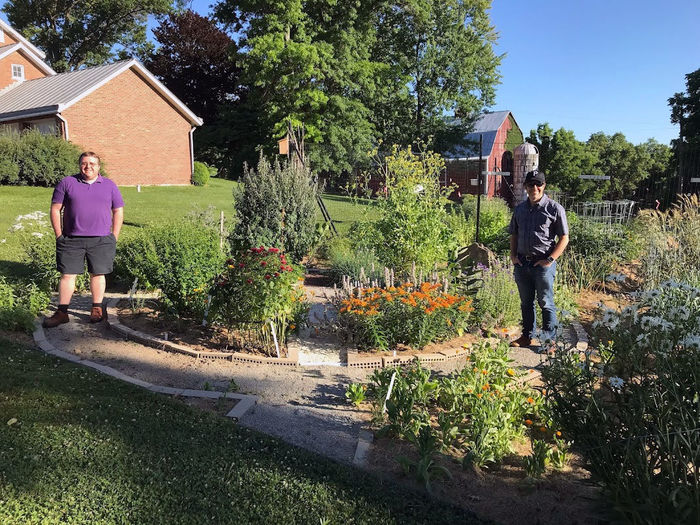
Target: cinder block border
(168,346)
(245,401)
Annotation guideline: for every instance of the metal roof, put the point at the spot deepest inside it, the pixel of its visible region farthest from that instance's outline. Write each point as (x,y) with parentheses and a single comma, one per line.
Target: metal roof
(486,125)
(53,94)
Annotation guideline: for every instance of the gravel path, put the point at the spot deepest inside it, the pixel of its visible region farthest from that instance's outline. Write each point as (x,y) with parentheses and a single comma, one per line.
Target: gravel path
(305,405)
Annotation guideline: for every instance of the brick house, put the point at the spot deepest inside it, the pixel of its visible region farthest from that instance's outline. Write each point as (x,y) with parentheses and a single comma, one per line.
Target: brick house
(501,134)
(121,111)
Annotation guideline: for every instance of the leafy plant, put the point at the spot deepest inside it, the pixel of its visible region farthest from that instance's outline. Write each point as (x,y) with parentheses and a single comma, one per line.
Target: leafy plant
(425,469)
(536,463)
(494,219)
(356,393)
(19,305)
(412,224)
(497,302)
(559,454)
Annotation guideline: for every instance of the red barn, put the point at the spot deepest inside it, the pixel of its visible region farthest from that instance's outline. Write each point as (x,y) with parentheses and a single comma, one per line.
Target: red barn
(121,111)
(501,134)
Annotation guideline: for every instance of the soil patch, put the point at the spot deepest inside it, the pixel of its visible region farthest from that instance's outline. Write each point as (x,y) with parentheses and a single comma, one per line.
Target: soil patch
(502,493)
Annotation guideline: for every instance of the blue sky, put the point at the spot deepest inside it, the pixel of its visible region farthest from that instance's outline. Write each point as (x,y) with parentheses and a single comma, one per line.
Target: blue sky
(592,66)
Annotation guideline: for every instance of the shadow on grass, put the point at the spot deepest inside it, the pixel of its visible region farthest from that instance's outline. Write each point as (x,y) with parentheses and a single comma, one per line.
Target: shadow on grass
(87,448)
(15,269)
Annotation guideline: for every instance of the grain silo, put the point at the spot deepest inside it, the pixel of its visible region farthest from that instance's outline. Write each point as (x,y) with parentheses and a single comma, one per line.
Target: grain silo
(525,158)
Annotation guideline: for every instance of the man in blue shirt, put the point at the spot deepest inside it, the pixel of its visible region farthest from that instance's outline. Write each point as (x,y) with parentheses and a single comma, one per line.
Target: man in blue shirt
(539,234)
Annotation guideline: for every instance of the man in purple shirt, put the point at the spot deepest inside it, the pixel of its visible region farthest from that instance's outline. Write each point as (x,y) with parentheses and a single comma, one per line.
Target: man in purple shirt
(93,213)
(539,234)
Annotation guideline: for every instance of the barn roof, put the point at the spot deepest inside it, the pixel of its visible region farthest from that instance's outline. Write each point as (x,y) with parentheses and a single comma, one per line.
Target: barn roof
(53,94)
(487,125)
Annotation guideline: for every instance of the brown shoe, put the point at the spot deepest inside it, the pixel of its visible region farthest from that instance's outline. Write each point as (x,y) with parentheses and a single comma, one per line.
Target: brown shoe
(521,341)
(98,314)
(57,318)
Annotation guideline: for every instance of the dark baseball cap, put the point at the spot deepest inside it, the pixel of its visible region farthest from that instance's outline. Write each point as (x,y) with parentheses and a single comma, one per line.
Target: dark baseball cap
(534,176)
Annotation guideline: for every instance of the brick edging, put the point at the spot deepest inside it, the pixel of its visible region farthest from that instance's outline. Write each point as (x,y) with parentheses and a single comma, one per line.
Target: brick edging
(162,344)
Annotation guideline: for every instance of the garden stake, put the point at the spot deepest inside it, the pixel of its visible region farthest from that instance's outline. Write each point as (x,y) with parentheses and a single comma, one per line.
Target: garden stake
(206,310)
(388,392)
(132,290)
(274,337)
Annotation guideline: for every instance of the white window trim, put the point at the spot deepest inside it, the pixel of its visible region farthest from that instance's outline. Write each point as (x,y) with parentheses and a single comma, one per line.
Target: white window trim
(2,35)
(21,68)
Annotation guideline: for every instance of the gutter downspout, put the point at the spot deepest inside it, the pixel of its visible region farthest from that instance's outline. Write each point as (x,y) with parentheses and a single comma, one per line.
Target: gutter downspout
(191,152)
(65,125)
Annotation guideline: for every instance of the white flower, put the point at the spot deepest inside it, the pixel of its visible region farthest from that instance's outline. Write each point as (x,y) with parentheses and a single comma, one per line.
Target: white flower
(3,240)
(37,234)
(691,341)
(616,383)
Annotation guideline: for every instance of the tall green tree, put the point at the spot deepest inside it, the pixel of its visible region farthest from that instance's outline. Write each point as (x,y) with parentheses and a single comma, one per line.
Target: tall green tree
(685,109)
(353,73)
(570,159)
(626,164)
(75,34)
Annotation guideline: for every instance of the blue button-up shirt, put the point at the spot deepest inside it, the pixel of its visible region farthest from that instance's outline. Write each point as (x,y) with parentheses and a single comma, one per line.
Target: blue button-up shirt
(537,225)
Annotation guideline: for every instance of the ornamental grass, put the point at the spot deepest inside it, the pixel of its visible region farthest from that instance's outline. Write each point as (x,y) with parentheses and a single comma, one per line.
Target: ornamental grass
(408,314)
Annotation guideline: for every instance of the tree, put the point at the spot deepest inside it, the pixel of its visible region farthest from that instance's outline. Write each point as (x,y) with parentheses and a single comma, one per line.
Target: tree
(76,34)
(542,138)
(197,61)
(685,109)
(443,51)
(626,164)
(354,73)
(569,160)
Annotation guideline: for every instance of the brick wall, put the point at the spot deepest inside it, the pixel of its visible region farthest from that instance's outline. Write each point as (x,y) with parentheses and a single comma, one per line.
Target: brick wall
(30,70)
(8,40)
(141,138)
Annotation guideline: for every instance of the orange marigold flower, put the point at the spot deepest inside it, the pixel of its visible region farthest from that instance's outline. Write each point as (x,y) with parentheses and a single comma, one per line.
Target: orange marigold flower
(479,395)
(292,326)
(558,433)
(486,387)
(530,400)
(528,422)
(484,371)
(543,429)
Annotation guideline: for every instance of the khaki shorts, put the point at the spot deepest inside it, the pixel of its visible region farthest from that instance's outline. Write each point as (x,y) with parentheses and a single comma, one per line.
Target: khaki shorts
(71,253)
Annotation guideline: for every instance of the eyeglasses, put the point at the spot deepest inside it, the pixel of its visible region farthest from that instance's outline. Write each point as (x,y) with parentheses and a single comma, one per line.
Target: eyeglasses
(533,184)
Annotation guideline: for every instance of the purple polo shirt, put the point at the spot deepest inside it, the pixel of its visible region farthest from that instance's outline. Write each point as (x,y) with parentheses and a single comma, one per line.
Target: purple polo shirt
(87,208)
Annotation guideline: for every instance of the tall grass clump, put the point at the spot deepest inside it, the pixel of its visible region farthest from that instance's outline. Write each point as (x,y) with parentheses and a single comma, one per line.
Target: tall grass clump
(671,243)
(497,302)
(494,218)
(19,305)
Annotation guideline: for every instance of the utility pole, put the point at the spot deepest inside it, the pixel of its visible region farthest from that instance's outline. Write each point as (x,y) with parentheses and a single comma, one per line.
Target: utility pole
(479,183)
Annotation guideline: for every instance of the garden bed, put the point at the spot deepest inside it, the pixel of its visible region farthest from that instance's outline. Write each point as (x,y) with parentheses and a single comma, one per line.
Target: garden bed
(502,492)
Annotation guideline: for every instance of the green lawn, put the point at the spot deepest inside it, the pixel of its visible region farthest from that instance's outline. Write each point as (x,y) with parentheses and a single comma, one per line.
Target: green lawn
(87,448)
(153,204)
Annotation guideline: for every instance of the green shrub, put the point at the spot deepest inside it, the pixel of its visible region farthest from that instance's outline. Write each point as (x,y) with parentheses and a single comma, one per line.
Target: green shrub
(178,258)
(494,219)
(276,206)
(201,173)
(633,410)
(19,305)
(33,159)
(412,224)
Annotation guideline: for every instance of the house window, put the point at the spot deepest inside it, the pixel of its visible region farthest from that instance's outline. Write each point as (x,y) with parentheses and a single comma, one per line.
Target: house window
(17,72)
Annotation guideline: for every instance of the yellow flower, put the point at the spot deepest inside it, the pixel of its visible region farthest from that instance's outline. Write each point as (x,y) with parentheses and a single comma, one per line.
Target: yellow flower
(510,372)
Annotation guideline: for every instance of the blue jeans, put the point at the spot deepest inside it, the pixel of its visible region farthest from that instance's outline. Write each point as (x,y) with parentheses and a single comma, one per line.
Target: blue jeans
(537,281)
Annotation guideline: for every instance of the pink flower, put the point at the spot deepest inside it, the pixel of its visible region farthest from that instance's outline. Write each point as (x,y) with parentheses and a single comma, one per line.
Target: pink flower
(263,263)
(268,276)
(277,274)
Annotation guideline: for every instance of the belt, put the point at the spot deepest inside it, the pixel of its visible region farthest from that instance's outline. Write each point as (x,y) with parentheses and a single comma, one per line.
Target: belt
(532,258)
